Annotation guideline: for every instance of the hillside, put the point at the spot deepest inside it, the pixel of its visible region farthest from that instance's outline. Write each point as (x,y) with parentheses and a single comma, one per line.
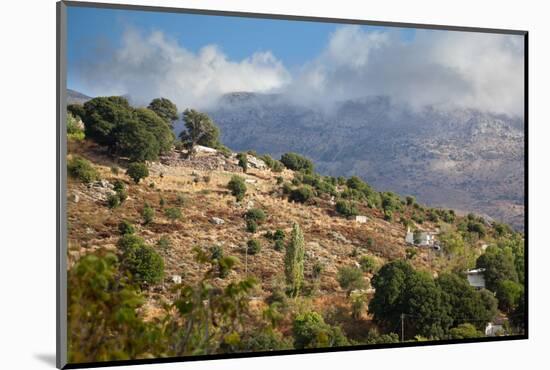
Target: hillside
(463,159)
(187,247)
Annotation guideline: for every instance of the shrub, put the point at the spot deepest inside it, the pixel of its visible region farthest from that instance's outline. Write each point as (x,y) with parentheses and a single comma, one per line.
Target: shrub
(181,200)
(465,331)
(296,162)
(141,260)
(81,169)
(287,188)
(148,214)
(346,208)
(350,278)
(368,264)
(279,245)
(311,331)
(137,171)
(237,187)
(410,200)
(388,216)
(253,246)
(113,201)
(251,226)
(301,195)
(279,235)
(120,190)
(173,214)
(74,130)
(243,161)
(294,261)
(255,214)
(164,243)
(124,228)
(280,180)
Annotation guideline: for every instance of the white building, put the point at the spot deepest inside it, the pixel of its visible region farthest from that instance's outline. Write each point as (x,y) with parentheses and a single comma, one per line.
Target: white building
(476,278)
(423,238)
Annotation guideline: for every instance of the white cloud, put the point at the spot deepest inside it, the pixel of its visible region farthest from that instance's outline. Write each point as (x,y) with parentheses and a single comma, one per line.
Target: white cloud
(149,66)
(440,68)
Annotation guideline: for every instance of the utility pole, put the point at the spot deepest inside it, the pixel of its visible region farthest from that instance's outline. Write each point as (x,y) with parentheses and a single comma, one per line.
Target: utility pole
(402,327)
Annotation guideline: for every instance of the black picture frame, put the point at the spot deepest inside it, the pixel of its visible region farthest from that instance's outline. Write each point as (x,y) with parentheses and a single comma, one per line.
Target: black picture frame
(61,176)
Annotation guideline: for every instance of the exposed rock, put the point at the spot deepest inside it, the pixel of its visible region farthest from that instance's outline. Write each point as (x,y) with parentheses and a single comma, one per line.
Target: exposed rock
(217,221)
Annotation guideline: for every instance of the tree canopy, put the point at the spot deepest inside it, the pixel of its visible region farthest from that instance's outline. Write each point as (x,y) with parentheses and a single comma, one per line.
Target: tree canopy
(200,130)
(165,109)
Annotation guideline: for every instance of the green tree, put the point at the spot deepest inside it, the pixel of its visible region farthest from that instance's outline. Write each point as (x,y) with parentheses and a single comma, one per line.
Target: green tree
(350,278)
(103,115)
(158,128)
(465,331)
(165,109)
(237,187)
(294,261)
(346,208)
(102,319)
(133,140)
(466,303)
(137,171)
(243,161)
(142,261)
(200,130)
(499,265)
(296,162)
(508,294)
(301,194)
(311,331)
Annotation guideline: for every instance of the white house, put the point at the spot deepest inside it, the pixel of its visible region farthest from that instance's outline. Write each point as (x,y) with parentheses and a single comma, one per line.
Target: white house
(492,330)
(361,219)
(424,238)
(476,278)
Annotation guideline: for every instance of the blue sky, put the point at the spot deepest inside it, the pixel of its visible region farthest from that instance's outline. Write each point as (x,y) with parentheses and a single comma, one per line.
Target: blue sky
(194,59)
(91,30)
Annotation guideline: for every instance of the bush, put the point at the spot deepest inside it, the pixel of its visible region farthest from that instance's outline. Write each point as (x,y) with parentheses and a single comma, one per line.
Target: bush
(120,190)
(302,194)
(368,264)
(243,161)
(113,201)
(279,245)
(280,180)
(346,208)
(137,171)
(311,331)
(350,278)
(255,214)
(279,235)
(253,246)
(251,226)
(173,214)
(237,187)
(81,169)
(181,200)
(296,162)
(148,214)
(126,228)
(141,260)
(465,331)
(74,130)
(164,243)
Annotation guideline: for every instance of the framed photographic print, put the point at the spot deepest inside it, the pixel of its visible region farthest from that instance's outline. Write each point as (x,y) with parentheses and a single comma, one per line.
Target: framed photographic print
(234,184)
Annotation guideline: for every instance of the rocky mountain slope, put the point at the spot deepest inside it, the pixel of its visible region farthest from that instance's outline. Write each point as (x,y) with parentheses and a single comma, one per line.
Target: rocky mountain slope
(462,159)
